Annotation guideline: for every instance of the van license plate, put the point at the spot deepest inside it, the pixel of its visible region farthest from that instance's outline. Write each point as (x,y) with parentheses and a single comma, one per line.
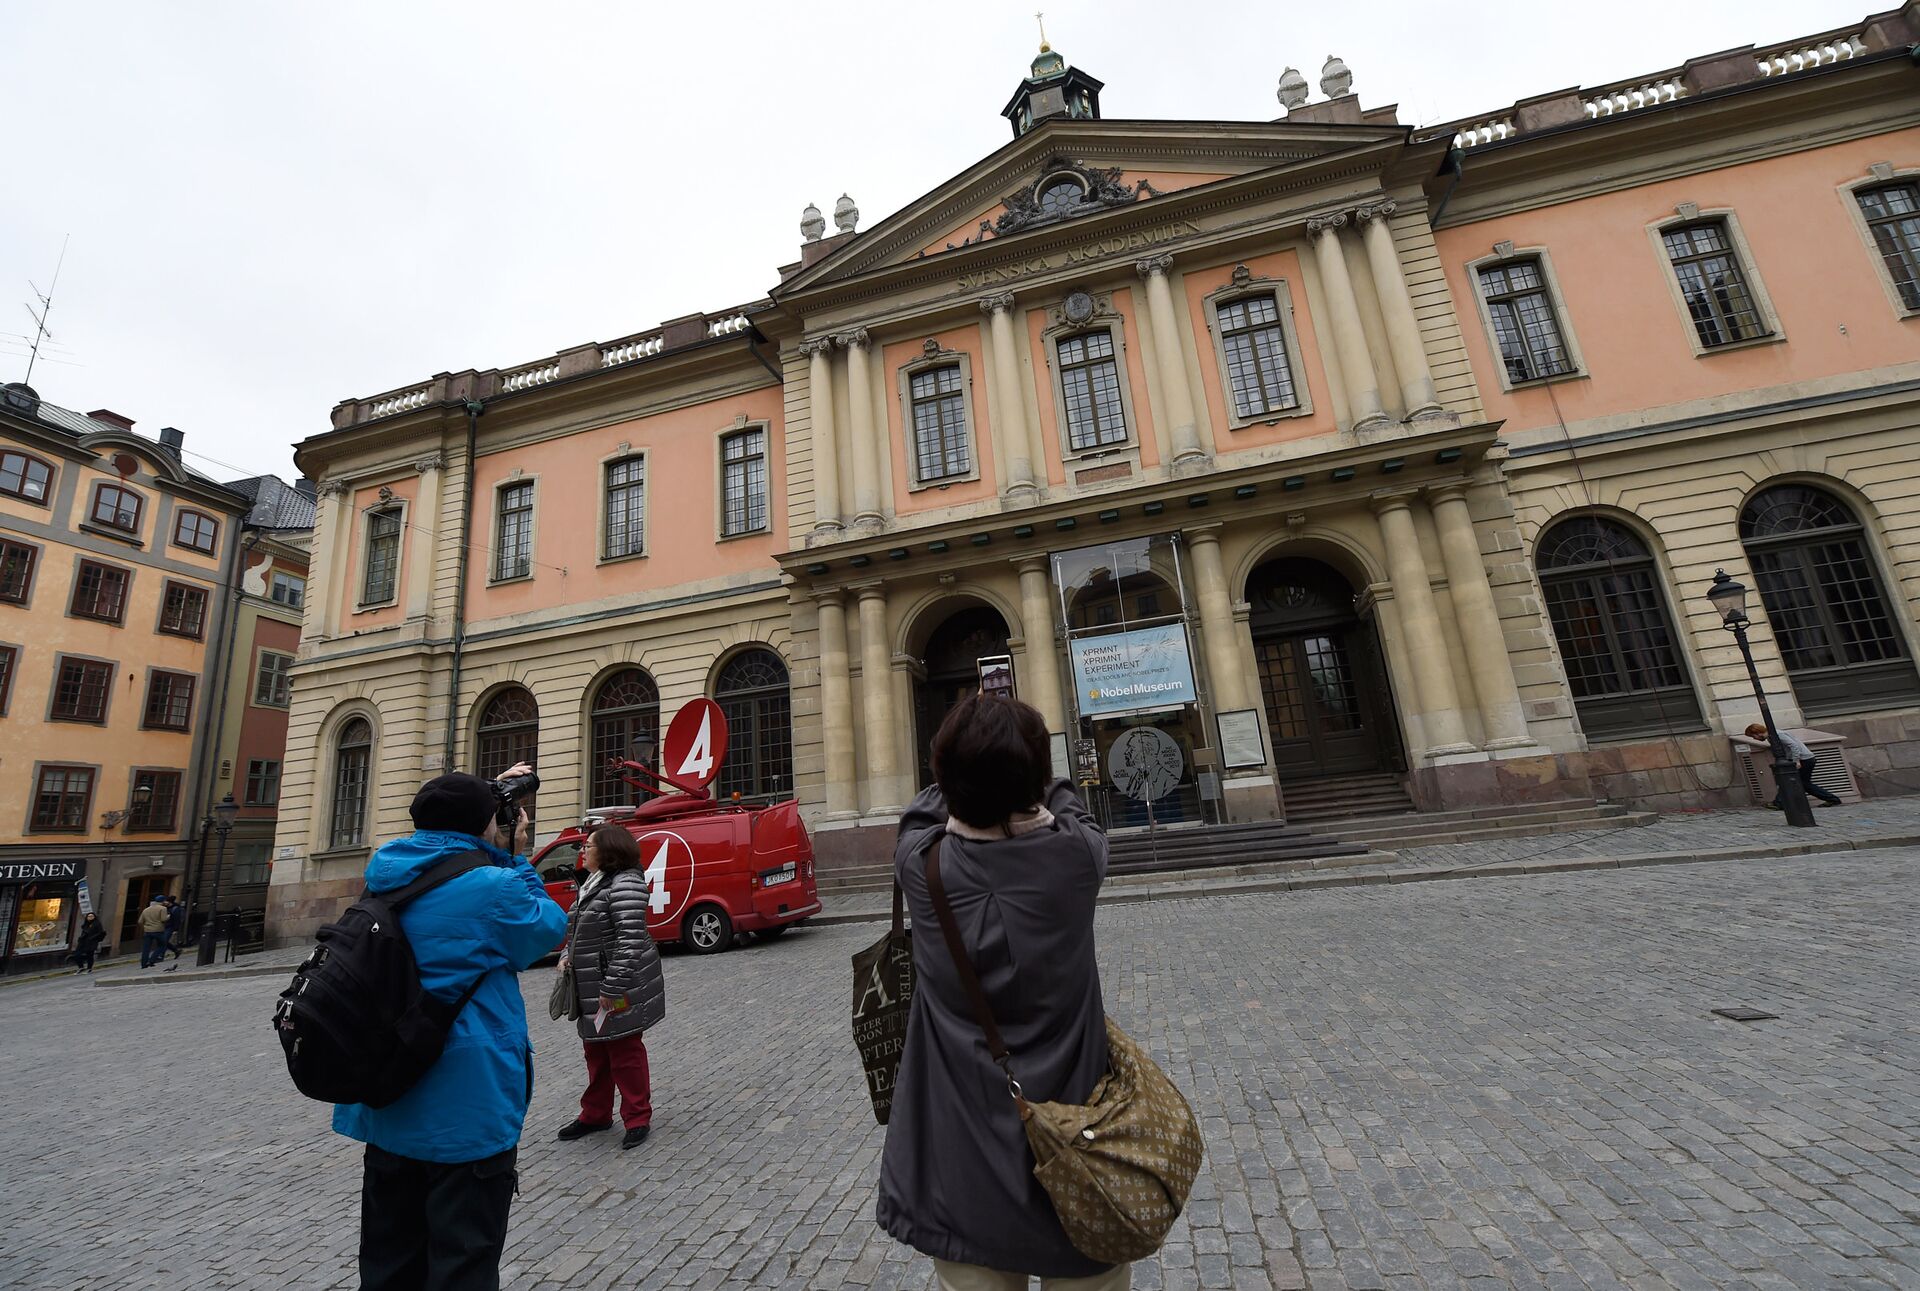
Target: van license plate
(772,878)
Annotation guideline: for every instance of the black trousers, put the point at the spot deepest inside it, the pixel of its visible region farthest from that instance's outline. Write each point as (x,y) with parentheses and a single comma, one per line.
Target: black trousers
(428,1226)
(1806,766)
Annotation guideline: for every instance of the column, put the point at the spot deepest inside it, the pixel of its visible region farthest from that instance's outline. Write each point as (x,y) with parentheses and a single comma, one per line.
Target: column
(1501,716)
(1184,433)
(1426,645)
(1009,398)
(826,435)
(836,708)
(332,579)
(1396,307)
(866,449)
(1349,338)
(876,673)
(1041,682)
(425,528)
(1228,682)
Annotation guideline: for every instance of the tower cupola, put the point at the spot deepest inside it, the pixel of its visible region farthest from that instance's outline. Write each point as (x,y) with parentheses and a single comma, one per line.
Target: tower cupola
(1052,89)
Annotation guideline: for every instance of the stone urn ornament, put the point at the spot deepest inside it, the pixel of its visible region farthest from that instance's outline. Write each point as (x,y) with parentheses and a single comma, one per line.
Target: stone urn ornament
(845,214)
(812,224)
(1336,78)
(1293,89)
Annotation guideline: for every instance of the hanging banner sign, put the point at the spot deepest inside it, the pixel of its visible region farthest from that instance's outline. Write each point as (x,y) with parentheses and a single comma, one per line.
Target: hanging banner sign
(86,898)
(1127,672)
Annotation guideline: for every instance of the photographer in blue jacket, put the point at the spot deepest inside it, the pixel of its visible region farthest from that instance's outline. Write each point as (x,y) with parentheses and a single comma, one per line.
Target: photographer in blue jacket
(440,1172)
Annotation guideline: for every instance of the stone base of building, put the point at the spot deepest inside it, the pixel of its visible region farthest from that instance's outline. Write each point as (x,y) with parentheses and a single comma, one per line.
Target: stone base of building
(297,911)
(863,844)
(1883,750)
(1487,782)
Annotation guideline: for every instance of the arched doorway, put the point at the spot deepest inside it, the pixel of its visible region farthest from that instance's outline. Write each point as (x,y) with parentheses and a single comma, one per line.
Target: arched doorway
(1320,674)
(952,672)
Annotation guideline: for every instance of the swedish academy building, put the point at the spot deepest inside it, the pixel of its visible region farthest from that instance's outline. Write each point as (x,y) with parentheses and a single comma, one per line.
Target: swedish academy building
(1298,471)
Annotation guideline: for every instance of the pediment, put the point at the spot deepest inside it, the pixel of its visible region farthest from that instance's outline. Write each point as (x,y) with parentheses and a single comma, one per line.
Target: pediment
(1069,171)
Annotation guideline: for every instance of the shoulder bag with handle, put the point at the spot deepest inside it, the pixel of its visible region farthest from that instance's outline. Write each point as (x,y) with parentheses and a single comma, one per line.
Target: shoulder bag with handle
(1119,1167)
(882,1001)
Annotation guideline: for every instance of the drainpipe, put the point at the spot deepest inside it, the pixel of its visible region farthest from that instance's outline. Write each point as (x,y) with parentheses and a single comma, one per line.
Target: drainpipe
(211,758)
(1456,165)
(474,408)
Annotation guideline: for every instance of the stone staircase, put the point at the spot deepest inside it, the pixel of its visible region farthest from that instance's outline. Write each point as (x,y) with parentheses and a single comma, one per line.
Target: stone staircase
(1309,802)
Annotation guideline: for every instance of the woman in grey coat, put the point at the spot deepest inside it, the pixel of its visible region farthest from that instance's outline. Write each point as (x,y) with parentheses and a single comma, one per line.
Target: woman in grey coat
(1021,862)
(617,980)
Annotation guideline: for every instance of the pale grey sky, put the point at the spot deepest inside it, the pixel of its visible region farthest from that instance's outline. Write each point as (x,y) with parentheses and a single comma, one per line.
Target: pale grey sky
(276,206)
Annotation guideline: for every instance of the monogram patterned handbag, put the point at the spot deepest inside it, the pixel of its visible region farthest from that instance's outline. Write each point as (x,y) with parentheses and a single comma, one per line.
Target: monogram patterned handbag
(1119,1167)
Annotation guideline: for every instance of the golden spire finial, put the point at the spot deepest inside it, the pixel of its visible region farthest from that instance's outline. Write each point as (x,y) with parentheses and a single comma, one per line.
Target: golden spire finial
(1041,18)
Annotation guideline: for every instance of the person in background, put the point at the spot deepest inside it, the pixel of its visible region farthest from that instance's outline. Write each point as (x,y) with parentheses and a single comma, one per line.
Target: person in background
(176,924)
(153,931)
(1021,861)
(1802,758)
(87,944)
(618,985)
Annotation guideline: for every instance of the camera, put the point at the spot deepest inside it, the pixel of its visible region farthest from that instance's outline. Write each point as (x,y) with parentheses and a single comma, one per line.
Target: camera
(507,792)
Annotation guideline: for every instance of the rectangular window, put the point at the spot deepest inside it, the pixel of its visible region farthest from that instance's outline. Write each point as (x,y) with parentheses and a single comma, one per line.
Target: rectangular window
(939,423)
(183,611)
(1524,322)
(1090,389)
(383,557)
(626,508)
(16,571)
(743,482)
(116,508)
(263,782)
(155,801)
(513,546)
(1713,283)
(61,799)
(80,691)
(289,590)
(100,592)
(9,657)
(252,864)
(1256,350)
(272,684)
(197,530)
(1893,217)
(26,478)
(169,701)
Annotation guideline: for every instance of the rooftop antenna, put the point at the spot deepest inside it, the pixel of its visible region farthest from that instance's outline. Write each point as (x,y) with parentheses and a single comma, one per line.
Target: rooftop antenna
(1041,18)
(46,307)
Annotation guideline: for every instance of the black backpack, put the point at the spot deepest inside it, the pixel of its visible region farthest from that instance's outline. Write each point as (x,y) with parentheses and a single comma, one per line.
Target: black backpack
(356,1024)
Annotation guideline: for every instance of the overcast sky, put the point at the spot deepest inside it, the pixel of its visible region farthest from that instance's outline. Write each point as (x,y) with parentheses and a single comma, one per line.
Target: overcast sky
(277,206)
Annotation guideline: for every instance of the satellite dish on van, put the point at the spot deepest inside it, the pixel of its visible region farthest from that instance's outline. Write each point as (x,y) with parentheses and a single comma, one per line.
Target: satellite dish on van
(696,744)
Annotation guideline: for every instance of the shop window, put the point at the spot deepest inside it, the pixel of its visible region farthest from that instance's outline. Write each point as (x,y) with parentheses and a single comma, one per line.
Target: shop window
(100,592)
(25,477)
(1254,345)
(936,401)
(381,576)
(61,797)
(513,535)
(352,761)
(263,782)
(1830,615)
(751,690)
(169,701)
(80,691)
(1610,616)
(626,706)
(183,610)
(743,482)
(196,530)
(1714,283)
(289,590)
(1525,320)
(43,919)
(117,508)
(1893,221)
(626,508)
(273,680)
(1090,391)
(252,864)
(154,801)
(16,572)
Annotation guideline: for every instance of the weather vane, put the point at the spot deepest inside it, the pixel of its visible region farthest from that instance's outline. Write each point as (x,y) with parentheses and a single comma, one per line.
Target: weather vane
(1041,18)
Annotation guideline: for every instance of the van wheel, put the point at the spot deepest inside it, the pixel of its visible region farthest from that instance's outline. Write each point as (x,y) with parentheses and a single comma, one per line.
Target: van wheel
(708,930)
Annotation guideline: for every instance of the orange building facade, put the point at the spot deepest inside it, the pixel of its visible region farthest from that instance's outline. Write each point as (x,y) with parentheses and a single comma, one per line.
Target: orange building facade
(1273,459)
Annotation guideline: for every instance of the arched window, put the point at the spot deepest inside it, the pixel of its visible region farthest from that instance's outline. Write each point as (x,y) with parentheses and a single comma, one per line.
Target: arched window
(1824,601)
(1616,636)
(752,691)
(509,732)
(626,705)
(352,762)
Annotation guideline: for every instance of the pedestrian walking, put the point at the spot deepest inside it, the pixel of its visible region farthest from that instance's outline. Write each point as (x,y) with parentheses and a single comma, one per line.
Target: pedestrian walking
(1803,759)
(1021,861)
(87,944)
(439,1172)
(176,924)
(153,931)
(617,984)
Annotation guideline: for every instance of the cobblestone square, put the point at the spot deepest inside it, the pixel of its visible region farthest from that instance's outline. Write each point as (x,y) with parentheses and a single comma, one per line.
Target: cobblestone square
(1503,1083)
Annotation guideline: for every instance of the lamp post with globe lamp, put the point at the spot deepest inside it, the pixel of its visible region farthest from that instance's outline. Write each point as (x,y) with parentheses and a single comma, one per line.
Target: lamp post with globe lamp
(222,826)
(1729,598)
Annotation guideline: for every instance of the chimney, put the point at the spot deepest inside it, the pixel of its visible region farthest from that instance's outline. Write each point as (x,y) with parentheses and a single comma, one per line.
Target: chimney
(111,418)
(171,440)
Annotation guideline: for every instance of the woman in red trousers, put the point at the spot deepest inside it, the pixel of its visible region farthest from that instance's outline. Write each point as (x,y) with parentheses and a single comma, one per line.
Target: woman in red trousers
(616,976)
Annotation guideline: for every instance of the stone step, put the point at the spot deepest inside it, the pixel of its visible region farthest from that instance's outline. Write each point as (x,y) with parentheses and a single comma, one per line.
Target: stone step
(1533,827)
(1517,811)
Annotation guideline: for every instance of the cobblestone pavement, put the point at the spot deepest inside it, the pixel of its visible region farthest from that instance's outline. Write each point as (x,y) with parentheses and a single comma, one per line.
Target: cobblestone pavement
(1505,1083)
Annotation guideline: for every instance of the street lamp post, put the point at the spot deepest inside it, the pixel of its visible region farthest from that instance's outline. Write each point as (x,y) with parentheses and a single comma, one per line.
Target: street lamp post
(1730,599)
(223,825)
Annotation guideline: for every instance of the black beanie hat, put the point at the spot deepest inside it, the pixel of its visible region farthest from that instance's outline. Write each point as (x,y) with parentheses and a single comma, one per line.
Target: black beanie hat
(458,802)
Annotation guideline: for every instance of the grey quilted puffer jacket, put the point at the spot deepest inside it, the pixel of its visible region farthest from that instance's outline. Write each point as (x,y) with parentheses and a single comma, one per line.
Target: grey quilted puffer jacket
(613,954)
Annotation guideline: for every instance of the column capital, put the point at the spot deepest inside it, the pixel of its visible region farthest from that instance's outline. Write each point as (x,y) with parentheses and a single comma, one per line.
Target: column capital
(437,462)
(1371,211)
(1384,500)
(330,488)
(817,346)
(1201,533)
(1028,564)
(833,596)
(1318,224)
(874,591)
(1000,304)
(1152,265)
(1449,491)
(857,339)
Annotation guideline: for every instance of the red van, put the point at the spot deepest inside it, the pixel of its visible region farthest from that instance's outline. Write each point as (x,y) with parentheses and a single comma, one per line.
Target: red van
(715,869)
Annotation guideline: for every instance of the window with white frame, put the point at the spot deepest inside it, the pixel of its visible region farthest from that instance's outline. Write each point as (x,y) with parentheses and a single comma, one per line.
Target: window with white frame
(1713,283)
(743,482)
(626,517)
(1892,213)
(289,590)
(272,679)
(513,540)
(1090,391)
(1526,324)
(936,399)
(263,782)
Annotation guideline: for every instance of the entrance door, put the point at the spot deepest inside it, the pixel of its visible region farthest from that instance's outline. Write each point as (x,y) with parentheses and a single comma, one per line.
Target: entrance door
(141,889)
(1325,709)
(953,654)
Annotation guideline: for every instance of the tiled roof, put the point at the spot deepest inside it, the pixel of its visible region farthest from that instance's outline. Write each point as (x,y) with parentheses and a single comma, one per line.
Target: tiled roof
(276,504)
